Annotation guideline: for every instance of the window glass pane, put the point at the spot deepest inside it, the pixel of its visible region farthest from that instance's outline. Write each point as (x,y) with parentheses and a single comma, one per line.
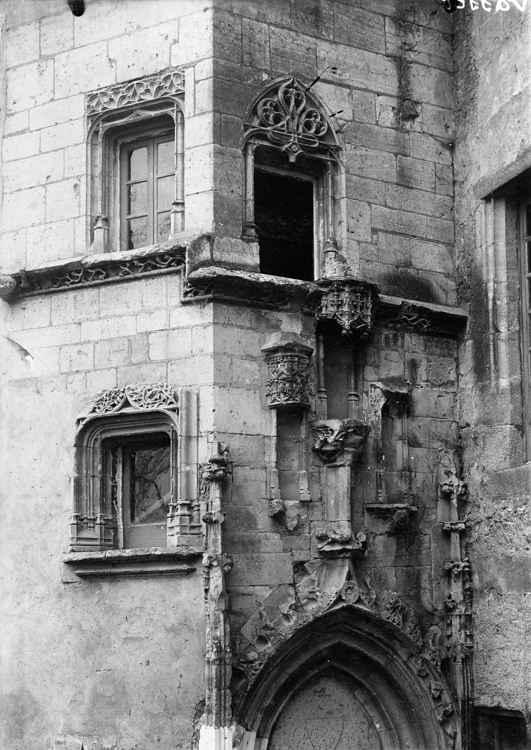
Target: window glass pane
(137,164)
(163,226)
(165,157)
(137,233)
(165,191)
(150,483)
(528,257)
(137,199)
(528,220)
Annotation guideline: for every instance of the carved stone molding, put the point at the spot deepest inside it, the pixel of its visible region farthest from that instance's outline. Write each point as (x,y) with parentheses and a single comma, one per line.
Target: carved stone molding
(289,117)
(419,317)
(338,441)
(141,397)
(288,360)
(349,303)
(394,610)
(168,83)
(398,515)
(92,270)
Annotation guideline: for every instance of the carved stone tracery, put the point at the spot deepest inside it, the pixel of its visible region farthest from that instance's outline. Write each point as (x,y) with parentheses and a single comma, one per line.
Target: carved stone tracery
(141,397)
(167,83)
(288,117)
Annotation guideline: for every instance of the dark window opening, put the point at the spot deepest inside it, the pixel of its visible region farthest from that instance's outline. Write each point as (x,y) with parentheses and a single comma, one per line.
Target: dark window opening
(498,729)
(284,215)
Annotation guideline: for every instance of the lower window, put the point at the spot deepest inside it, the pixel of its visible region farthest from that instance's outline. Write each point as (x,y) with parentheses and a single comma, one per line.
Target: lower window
(126,474)
(137,474)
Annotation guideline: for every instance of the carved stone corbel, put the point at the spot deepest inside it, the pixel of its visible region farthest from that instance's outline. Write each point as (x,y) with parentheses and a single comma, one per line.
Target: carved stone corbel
(339,442)
(288,360)
(333,543)
(349,303)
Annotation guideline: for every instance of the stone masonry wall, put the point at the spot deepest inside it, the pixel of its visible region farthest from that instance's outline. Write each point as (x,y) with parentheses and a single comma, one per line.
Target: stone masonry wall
(106,664)
(493,147)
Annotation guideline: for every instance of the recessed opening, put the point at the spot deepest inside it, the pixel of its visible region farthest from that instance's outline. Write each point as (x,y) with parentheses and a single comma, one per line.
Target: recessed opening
(498,729)
(138,480)
(286,200)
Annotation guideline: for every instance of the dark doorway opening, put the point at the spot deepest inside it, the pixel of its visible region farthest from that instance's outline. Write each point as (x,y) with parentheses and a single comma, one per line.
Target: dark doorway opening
(284,211)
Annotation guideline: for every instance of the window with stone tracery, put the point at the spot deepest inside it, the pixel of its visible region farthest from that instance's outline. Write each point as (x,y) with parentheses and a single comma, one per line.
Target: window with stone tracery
(291,165)
(136,164)
(135,479)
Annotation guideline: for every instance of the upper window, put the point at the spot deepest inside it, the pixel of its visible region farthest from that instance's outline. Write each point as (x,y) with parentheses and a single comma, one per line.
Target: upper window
(136,176)
(291,160)
(129,490)
(147,190)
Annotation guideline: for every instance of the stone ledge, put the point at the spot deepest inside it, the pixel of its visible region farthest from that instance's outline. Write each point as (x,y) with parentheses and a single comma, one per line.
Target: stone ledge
(91,270)
(419,317)
(153,561)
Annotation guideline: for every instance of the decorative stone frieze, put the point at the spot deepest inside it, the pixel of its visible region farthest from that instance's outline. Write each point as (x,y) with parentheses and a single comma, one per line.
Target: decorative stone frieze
(349,303)
(289,117)
(339,442)
(164,84)
(94,270)
(288,360)
(419,317)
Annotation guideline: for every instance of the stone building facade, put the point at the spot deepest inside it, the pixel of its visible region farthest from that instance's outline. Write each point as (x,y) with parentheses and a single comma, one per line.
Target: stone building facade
(266,374)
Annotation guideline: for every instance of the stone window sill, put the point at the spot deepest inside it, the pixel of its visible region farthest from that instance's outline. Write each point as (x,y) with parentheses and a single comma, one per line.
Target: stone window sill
(155,561)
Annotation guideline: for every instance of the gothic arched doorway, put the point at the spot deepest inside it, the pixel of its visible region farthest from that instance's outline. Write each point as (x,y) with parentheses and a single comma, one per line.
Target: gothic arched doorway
(347,681)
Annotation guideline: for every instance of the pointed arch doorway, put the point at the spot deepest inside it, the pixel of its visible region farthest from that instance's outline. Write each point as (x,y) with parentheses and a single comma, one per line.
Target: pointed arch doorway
(347,681)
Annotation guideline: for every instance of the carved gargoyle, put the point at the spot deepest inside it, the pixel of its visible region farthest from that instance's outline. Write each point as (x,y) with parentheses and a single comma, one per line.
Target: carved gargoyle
(216,469)
(339,442)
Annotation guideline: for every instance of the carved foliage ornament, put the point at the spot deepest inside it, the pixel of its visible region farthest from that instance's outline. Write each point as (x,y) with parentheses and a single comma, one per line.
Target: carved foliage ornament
(288,360)
(287,117)
(167,83)
(141,397)
(288,383)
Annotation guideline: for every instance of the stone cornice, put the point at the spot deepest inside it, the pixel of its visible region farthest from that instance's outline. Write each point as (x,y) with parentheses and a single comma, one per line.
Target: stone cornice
(90,270)
(215,283)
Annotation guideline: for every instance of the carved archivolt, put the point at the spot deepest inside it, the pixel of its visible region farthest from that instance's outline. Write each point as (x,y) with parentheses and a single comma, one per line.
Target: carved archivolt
(167,83)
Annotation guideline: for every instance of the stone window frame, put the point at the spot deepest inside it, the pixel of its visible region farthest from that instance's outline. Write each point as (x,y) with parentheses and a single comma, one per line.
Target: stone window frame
(115,114)
(128,412)
(293,140)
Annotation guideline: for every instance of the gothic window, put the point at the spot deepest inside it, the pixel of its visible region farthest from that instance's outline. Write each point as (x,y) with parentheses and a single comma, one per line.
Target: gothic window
(290,171)
(136,169)
(127,491)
